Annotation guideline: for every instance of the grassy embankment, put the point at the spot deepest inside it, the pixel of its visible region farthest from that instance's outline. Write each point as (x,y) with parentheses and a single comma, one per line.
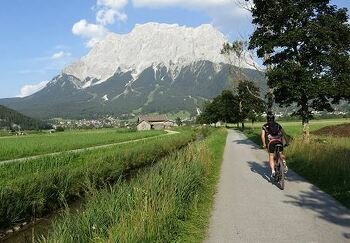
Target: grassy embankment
(169,202)
(33,188)
(324,161)
(19,147)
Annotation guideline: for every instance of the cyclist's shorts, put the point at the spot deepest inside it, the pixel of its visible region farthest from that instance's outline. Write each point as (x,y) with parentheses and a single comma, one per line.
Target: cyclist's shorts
(272,146)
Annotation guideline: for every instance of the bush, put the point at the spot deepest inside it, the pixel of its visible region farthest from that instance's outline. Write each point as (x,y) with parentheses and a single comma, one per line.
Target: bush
(59,129)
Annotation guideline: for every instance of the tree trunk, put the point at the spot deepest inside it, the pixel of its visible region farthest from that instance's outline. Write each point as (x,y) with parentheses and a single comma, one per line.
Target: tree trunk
(240,114)
(270,101)
(306,131)
(305,117)
(270,95)
(306,127)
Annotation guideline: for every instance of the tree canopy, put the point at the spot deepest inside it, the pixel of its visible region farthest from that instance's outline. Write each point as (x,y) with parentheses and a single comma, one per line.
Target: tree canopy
(308,44)
(235,107)
(222,108)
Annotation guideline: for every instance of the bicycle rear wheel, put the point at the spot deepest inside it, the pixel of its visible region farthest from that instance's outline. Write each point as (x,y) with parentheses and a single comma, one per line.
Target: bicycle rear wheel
(281,175)
(279,169)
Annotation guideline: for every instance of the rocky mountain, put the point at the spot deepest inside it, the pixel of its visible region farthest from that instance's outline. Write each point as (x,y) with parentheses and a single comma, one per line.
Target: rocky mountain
(155,68)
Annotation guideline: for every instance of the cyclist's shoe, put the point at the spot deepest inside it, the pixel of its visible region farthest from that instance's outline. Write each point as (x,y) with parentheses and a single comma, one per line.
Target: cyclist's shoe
(285,167)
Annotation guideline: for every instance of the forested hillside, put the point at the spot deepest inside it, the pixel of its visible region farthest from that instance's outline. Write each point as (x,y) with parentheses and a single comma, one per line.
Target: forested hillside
(12,119)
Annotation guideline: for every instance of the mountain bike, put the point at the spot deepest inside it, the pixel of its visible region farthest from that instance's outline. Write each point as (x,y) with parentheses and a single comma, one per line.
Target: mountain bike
(279,166)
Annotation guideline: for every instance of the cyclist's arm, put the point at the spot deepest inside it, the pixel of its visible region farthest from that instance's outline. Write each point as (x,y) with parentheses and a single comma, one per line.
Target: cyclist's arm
(263,138)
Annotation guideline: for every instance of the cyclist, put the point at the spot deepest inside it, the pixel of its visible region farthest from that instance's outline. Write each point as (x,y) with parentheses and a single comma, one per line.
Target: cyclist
(274,134)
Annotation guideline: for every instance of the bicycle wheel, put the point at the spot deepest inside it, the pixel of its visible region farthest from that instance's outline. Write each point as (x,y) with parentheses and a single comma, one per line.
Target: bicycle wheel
(281,175)
(280,169)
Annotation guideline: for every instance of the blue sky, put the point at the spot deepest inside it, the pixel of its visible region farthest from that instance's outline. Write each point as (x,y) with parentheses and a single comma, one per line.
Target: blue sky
(40,37)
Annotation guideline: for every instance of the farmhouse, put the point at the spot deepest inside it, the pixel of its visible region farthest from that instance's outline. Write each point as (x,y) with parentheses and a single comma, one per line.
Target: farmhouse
(155,122)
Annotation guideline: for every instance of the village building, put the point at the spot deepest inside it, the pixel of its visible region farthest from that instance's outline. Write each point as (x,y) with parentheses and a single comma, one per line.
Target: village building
(153,122)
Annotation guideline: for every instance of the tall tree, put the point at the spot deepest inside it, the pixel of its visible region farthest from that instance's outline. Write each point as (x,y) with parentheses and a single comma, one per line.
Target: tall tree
(225,107)
(178,121)
(222,108)
(308,44)
(245,91)
(248,95)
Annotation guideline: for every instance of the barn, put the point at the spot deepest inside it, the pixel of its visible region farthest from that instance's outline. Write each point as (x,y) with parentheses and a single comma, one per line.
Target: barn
(153,122)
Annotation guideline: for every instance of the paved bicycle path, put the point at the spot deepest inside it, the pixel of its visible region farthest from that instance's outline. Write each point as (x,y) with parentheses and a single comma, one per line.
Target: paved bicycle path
(248,208)
(169,132)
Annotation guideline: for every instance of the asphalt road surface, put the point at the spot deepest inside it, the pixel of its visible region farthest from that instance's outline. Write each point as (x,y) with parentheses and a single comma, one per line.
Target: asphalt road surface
(249,208)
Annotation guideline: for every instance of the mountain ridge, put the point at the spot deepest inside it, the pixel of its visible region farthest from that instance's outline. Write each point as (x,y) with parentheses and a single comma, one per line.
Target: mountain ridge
(156,68)
(150,44)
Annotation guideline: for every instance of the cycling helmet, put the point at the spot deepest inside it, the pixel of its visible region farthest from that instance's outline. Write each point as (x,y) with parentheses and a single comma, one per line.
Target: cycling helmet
(270,117)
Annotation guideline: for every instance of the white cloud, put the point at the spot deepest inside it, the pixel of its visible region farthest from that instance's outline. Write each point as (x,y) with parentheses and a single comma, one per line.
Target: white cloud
(60,55)
(228,15)
(29,89)
(107,12)
(110,11)
(109,16)
(85,29)
(93,32)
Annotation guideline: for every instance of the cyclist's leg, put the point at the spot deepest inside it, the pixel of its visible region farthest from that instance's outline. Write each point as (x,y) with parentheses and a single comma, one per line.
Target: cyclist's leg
(271,150)
(283,157)
(272,161)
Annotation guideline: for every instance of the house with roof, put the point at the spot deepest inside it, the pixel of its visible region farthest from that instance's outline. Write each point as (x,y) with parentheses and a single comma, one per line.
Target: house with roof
(153,122)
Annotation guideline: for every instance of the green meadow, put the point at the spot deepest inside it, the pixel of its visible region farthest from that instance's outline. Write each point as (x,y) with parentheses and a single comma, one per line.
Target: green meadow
(156,190)
(33,188)
(36,144)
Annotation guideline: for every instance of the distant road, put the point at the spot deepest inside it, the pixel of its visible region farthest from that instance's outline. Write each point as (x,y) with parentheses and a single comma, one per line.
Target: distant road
(84,149)
(248,208)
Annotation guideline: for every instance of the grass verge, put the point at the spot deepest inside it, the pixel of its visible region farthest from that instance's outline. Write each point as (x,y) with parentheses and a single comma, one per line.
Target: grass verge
(33,188)
(325,163)
(169,202)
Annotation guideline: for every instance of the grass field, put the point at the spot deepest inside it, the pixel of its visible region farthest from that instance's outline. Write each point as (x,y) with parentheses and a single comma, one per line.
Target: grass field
(324,161)
(168,202)
(293,129)
(18,147)
(33,188)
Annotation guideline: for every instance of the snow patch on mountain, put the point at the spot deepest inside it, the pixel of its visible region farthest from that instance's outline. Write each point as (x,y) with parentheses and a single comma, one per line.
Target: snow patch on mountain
(149,45)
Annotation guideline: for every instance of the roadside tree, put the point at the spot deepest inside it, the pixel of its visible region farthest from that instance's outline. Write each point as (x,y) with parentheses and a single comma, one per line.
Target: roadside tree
(178,121)
(308,44)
